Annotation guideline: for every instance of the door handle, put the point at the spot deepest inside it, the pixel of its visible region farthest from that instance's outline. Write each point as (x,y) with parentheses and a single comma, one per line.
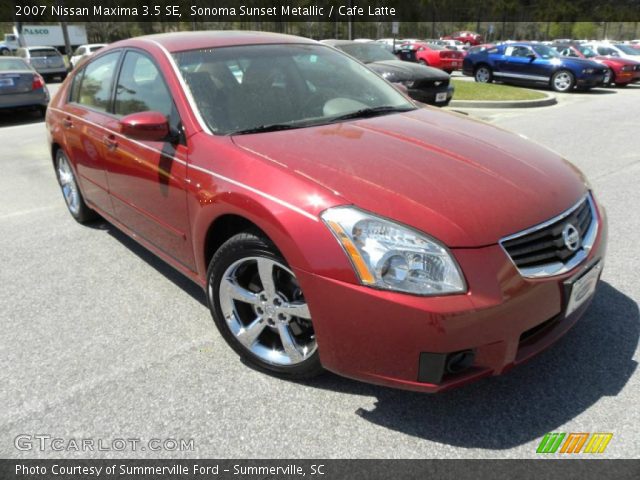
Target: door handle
(110,142)
(67,123)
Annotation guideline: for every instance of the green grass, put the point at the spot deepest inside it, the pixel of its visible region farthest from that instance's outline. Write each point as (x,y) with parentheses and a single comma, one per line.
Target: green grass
(466,90)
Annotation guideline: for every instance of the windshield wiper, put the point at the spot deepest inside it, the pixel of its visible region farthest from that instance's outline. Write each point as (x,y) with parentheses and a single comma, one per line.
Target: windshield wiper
(266,128)
(371,112)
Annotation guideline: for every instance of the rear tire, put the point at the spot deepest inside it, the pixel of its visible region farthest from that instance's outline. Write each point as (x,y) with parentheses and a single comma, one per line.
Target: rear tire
(71,191)
(259,308)
(483,74)
(563,81)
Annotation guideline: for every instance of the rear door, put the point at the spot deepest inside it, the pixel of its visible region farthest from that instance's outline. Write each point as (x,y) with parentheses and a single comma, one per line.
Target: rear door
(85,118)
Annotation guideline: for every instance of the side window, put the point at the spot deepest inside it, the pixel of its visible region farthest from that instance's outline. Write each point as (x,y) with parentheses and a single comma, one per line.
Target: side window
(141,87)
(95,87)
(74,93)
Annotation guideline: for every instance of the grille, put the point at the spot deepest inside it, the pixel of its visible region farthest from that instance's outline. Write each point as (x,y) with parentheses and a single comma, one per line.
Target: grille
(543,250)
(429,83)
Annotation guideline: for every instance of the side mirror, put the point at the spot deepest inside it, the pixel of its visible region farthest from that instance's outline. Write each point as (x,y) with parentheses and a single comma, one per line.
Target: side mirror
(531,56)
(152,126)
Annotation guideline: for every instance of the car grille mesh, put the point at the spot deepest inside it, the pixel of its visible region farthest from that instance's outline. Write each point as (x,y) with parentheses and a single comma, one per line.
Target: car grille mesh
(547,245)
(430,83)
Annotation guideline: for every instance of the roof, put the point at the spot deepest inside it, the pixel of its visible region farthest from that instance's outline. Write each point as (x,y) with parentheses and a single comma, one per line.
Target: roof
(178,41)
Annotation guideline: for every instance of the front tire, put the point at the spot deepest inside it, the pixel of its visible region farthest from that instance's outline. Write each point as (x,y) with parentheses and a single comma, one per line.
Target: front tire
(70,190)
(483,74)
(563,81)
(259,308)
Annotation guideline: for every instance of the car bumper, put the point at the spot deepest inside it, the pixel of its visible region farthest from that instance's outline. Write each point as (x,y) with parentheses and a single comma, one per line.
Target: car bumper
(450,64)
(430,95)
(382,337)
(19,100)
(590,80)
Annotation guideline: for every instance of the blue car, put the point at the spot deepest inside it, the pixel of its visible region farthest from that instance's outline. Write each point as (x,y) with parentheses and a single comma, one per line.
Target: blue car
(532,64)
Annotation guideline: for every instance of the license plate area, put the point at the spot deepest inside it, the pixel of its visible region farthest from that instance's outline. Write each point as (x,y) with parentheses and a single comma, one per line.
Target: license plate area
(6,82)
(580,289)
(441,97)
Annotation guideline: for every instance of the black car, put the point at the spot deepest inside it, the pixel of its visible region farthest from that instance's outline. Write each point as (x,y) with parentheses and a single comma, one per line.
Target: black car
(424,84)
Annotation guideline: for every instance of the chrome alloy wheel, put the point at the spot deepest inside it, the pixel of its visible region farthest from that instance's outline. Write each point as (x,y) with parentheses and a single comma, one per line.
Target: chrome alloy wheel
(483,75)
(562,81)
(68,185)
(265,310)
(607,77)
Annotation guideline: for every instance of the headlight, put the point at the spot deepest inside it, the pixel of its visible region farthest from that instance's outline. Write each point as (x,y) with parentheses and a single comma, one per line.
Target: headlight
(390,256)
(627,68)
(588,70)
(408,83)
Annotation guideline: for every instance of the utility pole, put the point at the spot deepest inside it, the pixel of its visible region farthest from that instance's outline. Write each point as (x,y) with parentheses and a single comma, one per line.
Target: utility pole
(65,34)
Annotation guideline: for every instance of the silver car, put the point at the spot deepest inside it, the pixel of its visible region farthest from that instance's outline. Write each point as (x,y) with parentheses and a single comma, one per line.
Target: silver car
(47,61)
(21,86)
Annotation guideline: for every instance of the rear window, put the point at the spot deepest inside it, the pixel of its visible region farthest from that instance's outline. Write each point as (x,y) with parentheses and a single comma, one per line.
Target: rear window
(9,64)
(44,52)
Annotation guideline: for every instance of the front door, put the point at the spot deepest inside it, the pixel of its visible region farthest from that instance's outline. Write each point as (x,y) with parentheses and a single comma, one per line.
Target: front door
(147,179)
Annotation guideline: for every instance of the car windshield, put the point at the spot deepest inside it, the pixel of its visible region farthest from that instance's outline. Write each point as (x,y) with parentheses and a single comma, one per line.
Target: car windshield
(434,46)
(44,52)
(368,52)
(545,52)
(628,50)
(587,52)
(257,88)
(12,64)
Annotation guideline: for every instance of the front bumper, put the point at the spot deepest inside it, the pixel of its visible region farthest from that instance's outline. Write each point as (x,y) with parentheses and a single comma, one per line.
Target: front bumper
(428,95)
(380,336)
(589,81)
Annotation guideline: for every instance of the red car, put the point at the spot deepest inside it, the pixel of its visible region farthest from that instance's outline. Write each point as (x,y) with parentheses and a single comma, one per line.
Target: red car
(468,38)
(431,55)
(332,223)
(622,70)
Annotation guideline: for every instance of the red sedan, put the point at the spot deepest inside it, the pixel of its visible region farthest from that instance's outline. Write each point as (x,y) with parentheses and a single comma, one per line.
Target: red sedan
(468,38)
(332,223)
(622,70)
(431,55)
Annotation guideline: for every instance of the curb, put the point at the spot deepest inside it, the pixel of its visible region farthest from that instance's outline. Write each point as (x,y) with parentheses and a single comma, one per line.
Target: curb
(550,99)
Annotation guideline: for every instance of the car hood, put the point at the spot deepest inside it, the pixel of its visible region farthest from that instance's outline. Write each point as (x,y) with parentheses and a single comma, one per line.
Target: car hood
(615,60)
(462,181)
(398,71)
(580,63)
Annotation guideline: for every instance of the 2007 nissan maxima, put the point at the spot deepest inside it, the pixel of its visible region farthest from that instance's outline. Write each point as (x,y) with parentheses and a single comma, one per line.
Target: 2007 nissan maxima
(333,224)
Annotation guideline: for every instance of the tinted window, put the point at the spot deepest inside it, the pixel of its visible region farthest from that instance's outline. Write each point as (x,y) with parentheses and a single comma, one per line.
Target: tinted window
(95,89)
(368,52)
(141,87)
(8,64)
(44,52)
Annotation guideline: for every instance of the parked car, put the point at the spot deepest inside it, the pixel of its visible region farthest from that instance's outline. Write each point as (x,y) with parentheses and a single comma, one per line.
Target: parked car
(424,84)
(530,63)
(84,51)
(466,37)
(47,61)
(431,55)
(21,86)
(331,223)
(451,44)
(621,71)
(615,50)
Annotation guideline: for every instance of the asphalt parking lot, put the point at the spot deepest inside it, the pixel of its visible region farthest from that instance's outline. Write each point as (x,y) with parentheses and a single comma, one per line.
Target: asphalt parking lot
(102,340)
